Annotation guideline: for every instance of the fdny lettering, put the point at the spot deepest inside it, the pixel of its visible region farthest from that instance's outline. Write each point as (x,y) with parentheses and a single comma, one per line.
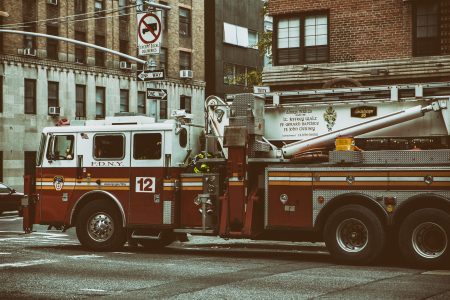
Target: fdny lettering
(107,164)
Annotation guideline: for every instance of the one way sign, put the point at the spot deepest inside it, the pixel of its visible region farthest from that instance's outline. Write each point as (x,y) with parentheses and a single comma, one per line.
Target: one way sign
(151,75)
(156,94)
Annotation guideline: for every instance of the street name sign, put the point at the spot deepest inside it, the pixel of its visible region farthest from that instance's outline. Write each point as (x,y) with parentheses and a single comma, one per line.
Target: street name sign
(151,75)
(156,94)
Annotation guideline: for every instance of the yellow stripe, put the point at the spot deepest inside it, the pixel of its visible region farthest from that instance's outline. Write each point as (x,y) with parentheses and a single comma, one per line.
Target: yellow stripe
(192,188)
(168,189)
(191,179)
(79,188)
(236,183)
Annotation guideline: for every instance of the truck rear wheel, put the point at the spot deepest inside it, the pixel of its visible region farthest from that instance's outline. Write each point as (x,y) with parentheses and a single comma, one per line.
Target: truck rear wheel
(354,234)
(99,227)
(424,238)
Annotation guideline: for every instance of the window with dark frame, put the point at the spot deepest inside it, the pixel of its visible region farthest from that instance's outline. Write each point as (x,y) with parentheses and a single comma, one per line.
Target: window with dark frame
(427,40)
(53,90)
(99,102)
(185,60)
(301,39)
(109,146)
(185,22)
(100,55)
(80,6)
(80,51)
(124,101)
(99,7)
(185,103)
(122,10)
(30,96)
(147,146)
(123,47)
(52,45)
(29,42)
(80,108)
(141,102)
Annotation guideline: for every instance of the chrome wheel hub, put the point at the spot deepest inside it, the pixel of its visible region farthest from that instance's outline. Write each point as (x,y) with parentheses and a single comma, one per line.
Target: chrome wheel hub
(352,235)
(429,240)
(100,227)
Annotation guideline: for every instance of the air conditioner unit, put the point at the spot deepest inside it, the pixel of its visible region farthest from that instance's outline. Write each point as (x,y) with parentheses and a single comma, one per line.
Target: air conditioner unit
(186,73)
(54,110)
(54,2)
(29,51)
(125,65)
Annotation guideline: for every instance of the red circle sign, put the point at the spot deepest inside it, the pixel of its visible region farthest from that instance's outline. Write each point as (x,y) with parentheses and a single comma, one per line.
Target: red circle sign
(145,27)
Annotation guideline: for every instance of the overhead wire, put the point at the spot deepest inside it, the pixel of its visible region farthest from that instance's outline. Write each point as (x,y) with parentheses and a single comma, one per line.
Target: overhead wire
(71,18)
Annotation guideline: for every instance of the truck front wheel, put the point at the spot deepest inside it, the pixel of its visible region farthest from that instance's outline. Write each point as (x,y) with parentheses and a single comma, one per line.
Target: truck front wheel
(99,227)
(354,234)
(424,238)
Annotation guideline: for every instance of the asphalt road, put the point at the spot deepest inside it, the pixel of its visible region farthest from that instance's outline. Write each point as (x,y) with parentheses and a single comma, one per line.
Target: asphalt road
(52,265)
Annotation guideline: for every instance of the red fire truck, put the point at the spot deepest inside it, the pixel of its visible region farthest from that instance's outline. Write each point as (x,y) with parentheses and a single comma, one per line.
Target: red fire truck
(274,174)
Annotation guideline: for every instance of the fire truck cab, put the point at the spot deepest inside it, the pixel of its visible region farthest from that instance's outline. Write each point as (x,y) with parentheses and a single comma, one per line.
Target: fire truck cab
(123,169)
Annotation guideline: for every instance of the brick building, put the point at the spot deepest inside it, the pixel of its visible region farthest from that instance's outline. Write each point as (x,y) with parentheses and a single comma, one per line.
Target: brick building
(326,43)
(38,73)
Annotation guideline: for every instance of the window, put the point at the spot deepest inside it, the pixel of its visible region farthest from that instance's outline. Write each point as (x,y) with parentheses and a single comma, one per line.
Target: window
(236,74)
(4,189)
(80,51)
(427,35)
(53,88)
(52,45)
(98,5)
(240,36)
(185,103)
(124,101)
(109,146)
(80,6)
(30,96)
(123,11)
(301,39)
(60,147)
(100,55)
(147,146)
(163,58)
(123,47)
(29,42)
(99,102)
(185,22)
(141,102)
(185,60)
(80,110)
(163,109)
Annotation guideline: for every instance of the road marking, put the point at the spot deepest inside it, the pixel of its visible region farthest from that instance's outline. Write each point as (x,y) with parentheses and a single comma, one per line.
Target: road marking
(87,256)
(438,272)
(10,220)
(4,253)
(28,263)
(123,253)
(94,290)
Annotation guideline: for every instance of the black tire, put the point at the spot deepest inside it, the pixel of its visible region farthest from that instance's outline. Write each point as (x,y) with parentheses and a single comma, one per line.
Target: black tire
(110,236)
(424,238)
(166,238)
(354,235)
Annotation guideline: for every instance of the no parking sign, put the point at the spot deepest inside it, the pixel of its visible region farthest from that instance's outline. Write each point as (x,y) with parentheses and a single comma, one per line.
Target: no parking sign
(149,33)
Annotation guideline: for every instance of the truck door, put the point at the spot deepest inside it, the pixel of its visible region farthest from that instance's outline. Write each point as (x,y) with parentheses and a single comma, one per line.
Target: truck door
(58,177)
(147,171)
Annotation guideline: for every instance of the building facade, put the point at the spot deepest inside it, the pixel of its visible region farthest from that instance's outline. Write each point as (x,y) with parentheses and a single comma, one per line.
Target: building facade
(232,28)
(322,44)
(43,81)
